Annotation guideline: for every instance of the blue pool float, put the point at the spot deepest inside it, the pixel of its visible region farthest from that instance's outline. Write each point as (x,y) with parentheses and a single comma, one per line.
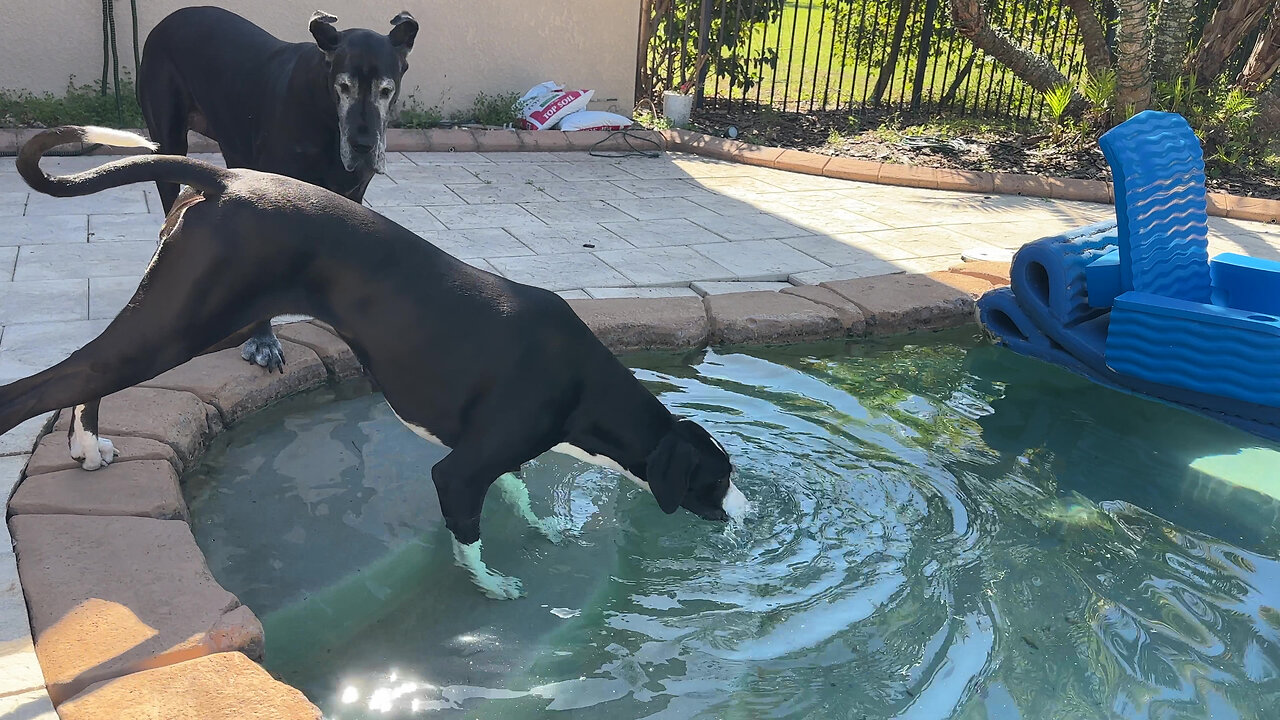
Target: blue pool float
(1137,304)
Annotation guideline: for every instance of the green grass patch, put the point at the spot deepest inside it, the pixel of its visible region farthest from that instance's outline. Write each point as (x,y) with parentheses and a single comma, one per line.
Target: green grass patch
(813,71)
(81,105)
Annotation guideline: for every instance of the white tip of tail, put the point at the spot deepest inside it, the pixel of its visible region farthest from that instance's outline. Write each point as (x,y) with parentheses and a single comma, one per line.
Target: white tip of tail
(116,138)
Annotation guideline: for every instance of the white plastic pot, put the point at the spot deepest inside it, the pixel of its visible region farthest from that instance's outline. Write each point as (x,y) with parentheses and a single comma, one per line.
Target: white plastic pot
(676,108)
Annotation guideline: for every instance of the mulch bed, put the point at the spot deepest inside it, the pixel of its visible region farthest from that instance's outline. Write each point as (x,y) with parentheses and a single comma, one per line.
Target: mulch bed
(994,148)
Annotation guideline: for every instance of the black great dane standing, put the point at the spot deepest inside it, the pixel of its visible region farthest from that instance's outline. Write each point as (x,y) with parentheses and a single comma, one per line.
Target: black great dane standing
(316,112)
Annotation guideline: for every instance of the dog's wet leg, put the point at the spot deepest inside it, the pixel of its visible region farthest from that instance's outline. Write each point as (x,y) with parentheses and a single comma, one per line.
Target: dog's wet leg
(83,440)
(516,493)
(461,487)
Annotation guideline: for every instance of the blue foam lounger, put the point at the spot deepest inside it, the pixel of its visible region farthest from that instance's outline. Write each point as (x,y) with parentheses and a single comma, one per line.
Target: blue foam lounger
(1143,307)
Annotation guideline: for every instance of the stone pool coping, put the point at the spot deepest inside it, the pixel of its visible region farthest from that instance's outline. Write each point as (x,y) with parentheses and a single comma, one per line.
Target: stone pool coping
(1238,207)
(125,614)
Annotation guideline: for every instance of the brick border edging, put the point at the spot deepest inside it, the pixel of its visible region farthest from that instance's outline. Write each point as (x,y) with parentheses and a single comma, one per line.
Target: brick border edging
(1237,207)
(863,307)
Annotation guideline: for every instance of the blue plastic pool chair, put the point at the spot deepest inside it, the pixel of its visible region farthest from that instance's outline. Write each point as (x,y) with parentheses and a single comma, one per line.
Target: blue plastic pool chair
(1181,319)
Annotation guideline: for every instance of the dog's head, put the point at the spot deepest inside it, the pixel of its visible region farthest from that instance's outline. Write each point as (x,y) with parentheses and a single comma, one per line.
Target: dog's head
(365,69)
(690,469)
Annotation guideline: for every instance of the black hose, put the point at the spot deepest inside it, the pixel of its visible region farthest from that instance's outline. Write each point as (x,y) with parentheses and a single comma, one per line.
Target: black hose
(106,49)
(632,149)
(115,58)
(137,59)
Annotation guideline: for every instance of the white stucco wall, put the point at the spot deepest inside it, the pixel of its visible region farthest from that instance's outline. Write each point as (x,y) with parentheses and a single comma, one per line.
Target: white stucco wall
(463,46)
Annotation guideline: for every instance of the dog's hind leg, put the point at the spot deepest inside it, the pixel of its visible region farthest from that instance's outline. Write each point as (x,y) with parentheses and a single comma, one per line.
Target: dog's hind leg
(516,493)
(182,306)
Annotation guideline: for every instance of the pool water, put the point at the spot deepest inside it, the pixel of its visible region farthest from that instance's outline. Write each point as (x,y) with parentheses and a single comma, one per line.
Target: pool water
(940,530)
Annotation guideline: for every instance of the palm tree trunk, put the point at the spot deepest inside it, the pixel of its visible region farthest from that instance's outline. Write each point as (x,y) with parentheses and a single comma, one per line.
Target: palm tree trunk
(1133,68)
(1264,60)
(1030,67)
(1097,56)
(1230,23)
(1172,31)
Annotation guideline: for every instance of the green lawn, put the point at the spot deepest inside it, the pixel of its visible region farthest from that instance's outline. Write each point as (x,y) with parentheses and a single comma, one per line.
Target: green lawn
(807,76)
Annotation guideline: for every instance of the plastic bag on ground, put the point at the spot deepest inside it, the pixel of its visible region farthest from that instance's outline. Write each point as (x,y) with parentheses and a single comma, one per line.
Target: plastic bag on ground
(594,120)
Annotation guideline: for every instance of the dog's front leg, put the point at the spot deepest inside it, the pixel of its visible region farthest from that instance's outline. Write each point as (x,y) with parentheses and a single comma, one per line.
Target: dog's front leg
(86,446)
(515,492)
(264,348)
(461,498)
(493,584)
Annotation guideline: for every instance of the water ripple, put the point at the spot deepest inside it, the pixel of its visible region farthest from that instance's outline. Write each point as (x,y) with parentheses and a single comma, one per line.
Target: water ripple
(914,552)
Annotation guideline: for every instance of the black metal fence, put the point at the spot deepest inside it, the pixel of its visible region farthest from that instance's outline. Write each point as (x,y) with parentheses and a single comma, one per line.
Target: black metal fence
(848,55)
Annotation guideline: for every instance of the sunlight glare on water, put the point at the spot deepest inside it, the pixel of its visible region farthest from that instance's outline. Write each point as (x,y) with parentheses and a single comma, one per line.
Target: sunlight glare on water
(941,530)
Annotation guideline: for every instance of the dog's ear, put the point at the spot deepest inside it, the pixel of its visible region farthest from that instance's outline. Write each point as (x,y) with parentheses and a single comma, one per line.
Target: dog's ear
(668,470)
(404,32)
(322,29)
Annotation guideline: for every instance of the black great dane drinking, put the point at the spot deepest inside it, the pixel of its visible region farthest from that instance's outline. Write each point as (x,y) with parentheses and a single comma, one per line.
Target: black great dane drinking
(496,371)
(316,112)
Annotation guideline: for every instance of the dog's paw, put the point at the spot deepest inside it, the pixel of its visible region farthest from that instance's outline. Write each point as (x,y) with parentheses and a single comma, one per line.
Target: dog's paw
(265,352)
(491,584)
(552,528)
(100,454)
(500,587)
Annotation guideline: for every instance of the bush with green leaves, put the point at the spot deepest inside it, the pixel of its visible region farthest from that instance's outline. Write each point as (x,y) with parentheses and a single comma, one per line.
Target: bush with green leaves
(416,116)
(80,105)
(1222,116)
(498,110)
(729,23)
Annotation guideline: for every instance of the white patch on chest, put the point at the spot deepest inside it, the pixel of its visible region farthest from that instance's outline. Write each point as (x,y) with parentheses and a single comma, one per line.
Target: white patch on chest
(578,453)
(419,430)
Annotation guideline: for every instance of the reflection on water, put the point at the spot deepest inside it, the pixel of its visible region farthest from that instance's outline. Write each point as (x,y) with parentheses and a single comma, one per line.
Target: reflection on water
(940,531)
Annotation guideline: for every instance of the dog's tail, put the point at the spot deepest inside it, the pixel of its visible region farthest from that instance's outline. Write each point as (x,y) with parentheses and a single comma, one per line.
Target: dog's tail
(126,171)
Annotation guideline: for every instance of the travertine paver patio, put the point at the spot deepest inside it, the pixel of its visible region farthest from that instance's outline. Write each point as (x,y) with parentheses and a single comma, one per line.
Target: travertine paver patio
(579,225)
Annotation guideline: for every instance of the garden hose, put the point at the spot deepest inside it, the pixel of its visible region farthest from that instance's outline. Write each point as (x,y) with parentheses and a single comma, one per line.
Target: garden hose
(137,59)
(111,50)
(106,48)
(115,57)
(630,139)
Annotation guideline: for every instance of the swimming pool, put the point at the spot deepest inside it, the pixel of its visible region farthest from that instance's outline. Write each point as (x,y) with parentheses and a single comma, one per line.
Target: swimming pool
(940,530)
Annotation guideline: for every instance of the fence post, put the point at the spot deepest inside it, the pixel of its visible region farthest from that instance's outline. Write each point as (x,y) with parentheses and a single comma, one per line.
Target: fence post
(704,31)
(922,57)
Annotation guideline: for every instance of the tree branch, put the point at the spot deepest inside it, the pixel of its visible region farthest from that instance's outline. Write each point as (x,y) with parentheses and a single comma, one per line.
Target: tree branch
(1097,56)
(1029,67)
(1264,60)
(1230,23)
